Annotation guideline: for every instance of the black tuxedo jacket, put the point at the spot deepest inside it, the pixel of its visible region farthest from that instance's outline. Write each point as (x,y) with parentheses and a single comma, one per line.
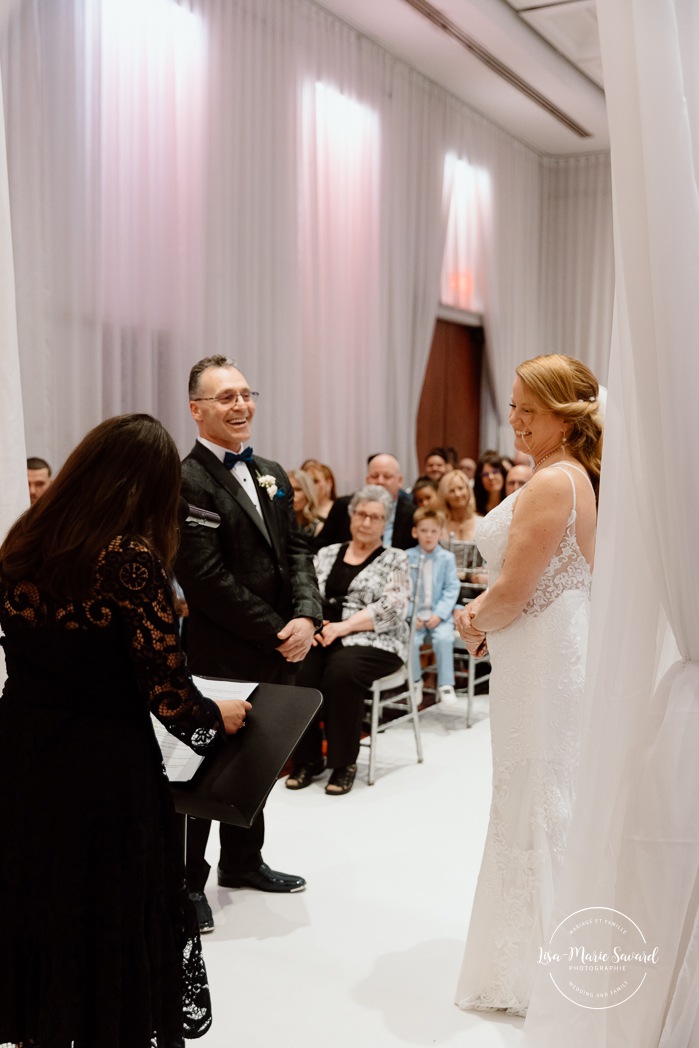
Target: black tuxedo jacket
(336,527)
(246,579)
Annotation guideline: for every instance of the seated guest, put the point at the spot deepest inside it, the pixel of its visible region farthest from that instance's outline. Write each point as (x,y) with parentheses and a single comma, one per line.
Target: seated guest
(426,493)
(38,477)
(460,508)
(520,458)
(459,529)
(468,466)
(383,470)
(365,590)
(516,478)
(434,600)
(489,482)
(305,505)
(324,483)
(437,464)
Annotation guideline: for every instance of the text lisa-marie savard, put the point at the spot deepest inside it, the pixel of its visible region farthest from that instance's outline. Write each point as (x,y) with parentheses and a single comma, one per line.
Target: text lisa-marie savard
(615,958)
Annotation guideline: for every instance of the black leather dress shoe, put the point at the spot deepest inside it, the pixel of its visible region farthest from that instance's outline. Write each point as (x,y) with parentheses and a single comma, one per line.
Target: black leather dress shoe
(304,774)
(205,917)
(263,879)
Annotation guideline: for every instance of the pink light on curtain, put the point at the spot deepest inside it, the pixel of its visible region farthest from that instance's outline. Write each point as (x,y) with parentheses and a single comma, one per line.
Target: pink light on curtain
(463,281)
(152,84)
(340,251)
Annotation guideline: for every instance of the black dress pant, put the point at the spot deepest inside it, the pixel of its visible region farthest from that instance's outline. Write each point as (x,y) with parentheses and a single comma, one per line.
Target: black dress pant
(343,674)
(241,848)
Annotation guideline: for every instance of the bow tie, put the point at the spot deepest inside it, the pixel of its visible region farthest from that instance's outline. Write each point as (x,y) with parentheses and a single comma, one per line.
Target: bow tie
(231,457)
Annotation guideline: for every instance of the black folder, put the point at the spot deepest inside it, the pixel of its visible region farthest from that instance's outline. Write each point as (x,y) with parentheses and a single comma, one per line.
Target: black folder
(233,784)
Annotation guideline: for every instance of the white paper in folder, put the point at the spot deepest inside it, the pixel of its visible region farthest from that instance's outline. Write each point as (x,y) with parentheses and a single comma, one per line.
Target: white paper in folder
(180,761)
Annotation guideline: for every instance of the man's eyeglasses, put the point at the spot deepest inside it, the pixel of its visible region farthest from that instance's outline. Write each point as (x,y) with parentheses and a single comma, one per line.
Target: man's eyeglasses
(246,395)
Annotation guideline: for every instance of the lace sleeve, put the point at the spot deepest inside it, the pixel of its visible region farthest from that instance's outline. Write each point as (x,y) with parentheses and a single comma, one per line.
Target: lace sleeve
(131,576)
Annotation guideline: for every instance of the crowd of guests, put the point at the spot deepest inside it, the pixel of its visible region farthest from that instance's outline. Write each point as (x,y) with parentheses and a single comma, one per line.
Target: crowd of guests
(369,591)
(370,588)
(462,489)
(380,555)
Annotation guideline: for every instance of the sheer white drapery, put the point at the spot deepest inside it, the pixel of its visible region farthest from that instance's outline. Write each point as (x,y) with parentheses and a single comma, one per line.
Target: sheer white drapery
(150,193)
(550,273)
(577,259)
(14,496)
(634,842)
(340,249)
(468,191)
(158,182)
(512,242)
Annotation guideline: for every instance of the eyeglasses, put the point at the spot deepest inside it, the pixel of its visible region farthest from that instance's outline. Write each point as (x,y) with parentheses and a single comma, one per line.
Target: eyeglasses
(488,476)
(375,518)
(246,395)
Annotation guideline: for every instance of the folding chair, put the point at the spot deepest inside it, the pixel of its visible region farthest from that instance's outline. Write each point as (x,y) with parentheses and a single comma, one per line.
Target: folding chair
(404,703)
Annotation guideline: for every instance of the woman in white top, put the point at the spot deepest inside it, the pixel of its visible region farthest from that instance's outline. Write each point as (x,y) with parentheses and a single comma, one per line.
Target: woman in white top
(460,526)
(460,508)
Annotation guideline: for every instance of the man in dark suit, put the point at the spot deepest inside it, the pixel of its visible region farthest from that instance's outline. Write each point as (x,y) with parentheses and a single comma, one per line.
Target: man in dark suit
(385,471)
(250,587)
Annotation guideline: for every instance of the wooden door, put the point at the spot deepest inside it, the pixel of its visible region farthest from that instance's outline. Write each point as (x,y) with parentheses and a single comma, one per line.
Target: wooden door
(449,412)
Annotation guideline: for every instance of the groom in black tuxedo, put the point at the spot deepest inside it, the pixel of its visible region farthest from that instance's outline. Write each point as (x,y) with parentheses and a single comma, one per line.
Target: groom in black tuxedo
(250,588)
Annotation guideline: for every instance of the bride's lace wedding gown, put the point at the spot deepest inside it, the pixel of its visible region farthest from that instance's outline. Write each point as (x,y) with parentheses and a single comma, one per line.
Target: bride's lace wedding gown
(536,690)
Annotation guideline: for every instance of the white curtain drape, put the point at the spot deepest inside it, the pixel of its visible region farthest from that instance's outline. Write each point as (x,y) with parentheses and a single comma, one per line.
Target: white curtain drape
(512,318)
(164,169)
(634,842)
(549,273)
(14,496)
(577,259)
(463,278)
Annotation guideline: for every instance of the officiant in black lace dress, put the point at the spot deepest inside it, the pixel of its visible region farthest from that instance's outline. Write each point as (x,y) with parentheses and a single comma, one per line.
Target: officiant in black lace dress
(99,946)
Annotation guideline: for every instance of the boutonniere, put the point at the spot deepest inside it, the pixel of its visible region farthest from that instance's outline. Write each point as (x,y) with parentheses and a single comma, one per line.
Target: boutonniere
(269,483)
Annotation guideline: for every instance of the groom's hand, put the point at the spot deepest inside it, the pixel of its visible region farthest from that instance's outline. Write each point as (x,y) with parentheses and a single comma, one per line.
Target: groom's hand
(296,638)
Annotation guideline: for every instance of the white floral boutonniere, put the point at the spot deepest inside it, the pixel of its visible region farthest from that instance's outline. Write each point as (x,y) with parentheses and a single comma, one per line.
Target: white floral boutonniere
(269,483)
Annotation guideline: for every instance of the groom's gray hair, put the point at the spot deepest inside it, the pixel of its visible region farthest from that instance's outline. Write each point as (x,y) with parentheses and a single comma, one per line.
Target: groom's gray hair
(217,361)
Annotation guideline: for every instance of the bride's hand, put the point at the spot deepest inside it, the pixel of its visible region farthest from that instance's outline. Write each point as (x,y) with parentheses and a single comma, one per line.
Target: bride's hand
(473,638)
(478,649)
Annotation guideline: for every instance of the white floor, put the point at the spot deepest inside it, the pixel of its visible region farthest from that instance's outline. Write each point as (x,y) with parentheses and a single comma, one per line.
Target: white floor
(368,955)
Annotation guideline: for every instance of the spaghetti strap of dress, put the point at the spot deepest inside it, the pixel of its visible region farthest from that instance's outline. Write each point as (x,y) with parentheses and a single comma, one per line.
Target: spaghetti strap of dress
(565,466)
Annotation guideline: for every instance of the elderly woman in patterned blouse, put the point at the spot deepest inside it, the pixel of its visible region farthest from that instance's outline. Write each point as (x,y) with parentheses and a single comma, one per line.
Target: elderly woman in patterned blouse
(365,589)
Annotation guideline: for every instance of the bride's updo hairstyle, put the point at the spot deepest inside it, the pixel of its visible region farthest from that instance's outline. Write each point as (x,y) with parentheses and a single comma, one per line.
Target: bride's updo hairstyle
(568,388)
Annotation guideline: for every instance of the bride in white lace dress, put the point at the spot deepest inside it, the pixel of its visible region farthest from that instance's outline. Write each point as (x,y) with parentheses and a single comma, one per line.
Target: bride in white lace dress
(539,547)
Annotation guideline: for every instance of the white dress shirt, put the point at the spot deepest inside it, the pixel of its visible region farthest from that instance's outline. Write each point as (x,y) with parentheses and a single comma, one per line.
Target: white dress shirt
(240,471)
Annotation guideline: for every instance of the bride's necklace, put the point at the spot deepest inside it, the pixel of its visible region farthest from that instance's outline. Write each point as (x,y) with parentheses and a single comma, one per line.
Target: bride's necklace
(543,459)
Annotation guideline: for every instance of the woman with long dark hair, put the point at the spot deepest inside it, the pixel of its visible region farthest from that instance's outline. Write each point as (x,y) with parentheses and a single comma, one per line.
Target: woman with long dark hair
(99,940)
(489,482)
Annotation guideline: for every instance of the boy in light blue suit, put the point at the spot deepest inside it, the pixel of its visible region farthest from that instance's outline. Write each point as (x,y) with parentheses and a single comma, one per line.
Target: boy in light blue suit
(435,601)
